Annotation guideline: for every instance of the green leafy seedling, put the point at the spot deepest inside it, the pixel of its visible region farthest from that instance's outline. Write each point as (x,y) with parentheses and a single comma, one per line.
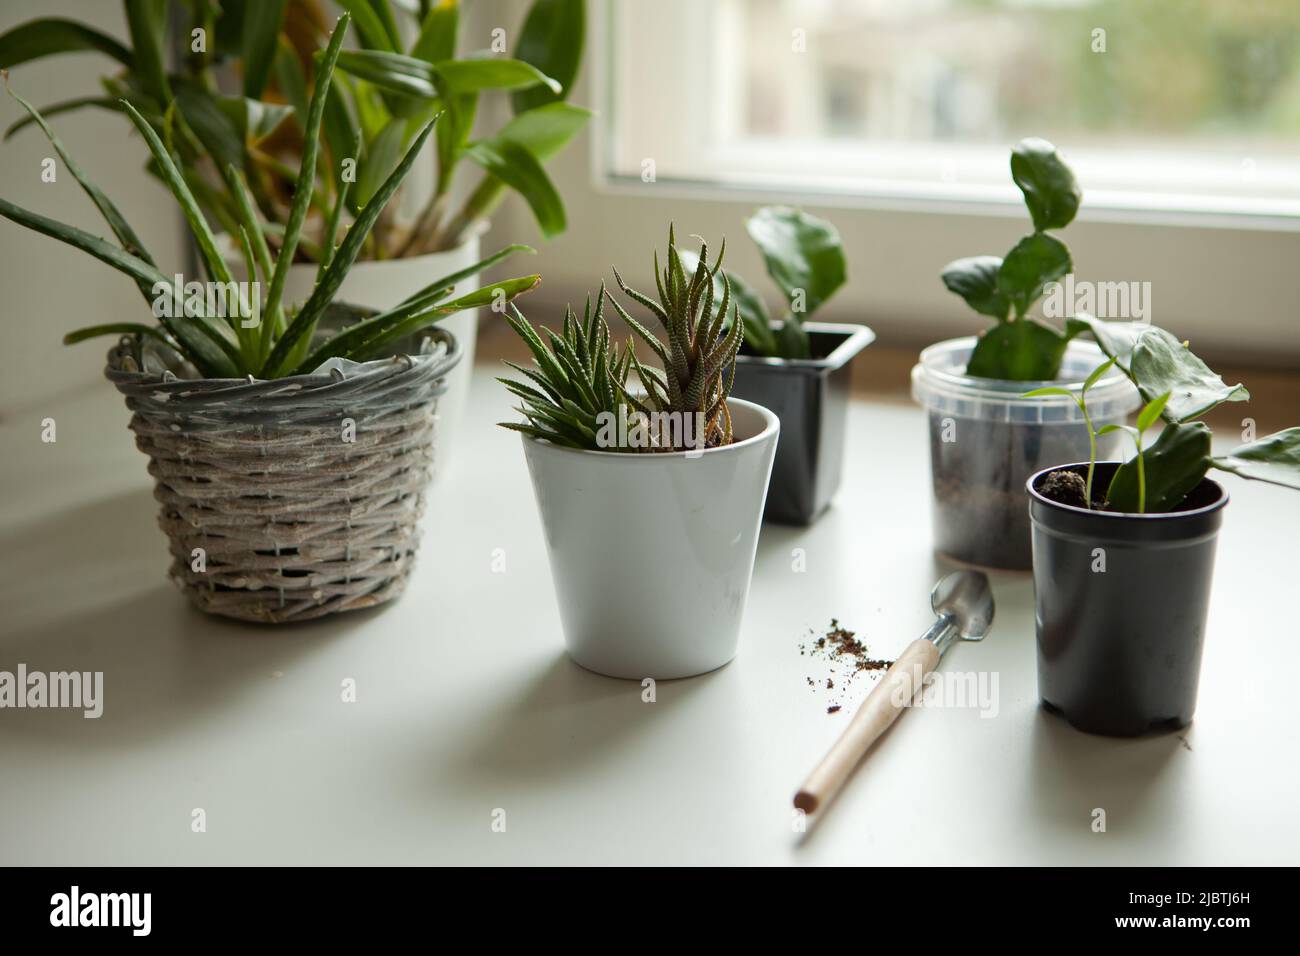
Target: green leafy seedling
(1146,418)
(1081,400)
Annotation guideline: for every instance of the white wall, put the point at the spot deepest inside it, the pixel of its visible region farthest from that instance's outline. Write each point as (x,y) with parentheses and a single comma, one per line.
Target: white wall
(47,288)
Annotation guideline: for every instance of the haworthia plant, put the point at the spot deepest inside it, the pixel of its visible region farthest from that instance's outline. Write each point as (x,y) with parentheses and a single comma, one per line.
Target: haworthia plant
(1178,387)
(1020,347)
(378,103)
(577,392)
(805,258)
(259,336)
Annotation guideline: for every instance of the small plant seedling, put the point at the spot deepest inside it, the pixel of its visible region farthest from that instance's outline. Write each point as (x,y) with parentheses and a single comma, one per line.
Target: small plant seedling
(1178,388)
(1020,347)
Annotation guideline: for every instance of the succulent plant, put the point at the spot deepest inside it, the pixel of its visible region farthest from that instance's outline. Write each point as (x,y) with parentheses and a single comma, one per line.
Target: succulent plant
(699,358)
(263,337)
(578,394)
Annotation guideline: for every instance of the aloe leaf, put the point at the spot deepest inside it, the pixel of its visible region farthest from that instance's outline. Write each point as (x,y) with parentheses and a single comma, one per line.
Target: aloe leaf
(305,321)
(332,228)
(114,328)
(551,40)
(422,297)
(116,221)
(49,36)
(207,242)
(302,192)
(63,106)
(1274,458)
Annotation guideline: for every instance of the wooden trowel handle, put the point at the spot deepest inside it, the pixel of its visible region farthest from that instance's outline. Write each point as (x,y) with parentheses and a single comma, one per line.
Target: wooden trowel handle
(881,708)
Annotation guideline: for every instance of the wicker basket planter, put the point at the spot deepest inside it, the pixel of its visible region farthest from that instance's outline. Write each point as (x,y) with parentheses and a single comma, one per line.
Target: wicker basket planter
(293,519)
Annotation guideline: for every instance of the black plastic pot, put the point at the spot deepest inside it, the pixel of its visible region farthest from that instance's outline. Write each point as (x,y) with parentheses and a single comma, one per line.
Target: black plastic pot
(1121,602)
(811,397)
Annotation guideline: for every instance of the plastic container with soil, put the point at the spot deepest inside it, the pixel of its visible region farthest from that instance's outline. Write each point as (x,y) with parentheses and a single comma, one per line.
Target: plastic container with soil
(986,440)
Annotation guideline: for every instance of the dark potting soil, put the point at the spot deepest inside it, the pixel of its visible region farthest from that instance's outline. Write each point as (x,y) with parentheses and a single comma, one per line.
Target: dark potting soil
(981,515)
(847,656)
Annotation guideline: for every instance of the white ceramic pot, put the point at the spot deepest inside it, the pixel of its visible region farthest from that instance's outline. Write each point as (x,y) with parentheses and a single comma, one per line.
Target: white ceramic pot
(382,285)
(651,554)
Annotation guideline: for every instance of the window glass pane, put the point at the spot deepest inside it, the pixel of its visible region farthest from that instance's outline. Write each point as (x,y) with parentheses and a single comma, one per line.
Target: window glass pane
(1167,104)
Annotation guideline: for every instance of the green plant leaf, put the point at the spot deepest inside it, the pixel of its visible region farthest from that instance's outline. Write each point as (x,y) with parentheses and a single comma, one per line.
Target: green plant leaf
(261,27)
(323,294)
(975,279)
(392,72)
(803,255)
(551,40)
(455,278)
(474,75)
(214,127)
(747,302)
(1151,411)
(544,131)
(64,106)
(113,328)
(1050,390)
(147,21)
(381,158)
(116,221)
(370,25)
(291,80)
(49,36)
(437,39)
(1021,351)
(1051,191)
(1096,374)
(520,170)
(1034,261)
(1174,465)
(1156,362)
(302,192)
(1274,458)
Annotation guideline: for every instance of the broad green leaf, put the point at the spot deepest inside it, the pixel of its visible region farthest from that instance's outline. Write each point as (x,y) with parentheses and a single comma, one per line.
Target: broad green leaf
(49,36)
(551,40)
(473,75)
(323,294)
(215,128)
(1034,261)
(1274,458)
(1156,362)
(546,130)
(1151,411)
(437,39)
(520,170)
(381,158)
(975,279)
(1024,350)
(64,106)
(390,72)
(1051,191)
(261,28)
(1173,466)
(147,20)
(803,255)
(370,26)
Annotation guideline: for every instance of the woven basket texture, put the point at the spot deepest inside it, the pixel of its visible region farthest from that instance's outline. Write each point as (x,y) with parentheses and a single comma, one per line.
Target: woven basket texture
(294,498)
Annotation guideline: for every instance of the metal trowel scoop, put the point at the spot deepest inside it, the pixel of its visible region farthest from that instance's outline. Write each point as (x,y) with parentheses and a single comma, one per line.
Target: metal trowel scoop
(963,607)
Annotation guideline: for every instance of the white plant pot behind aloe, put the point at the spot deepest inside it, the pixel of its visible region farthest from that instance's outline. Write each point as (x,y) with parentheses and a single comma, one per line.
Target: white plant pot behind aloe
(382,285)
(665,596)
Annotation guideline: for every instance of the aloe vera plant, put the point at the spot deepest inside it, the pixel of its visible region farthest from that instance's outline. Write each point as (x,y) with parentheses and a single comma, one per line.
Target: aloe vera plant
(1178,388)
(578,396)
(1020,347)
(375,108)
(263,337)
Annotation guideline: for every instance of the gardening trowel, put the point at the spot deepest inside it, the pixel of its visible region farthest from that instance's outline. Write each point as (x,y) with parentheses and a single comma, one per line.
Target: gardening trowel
(963,607)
